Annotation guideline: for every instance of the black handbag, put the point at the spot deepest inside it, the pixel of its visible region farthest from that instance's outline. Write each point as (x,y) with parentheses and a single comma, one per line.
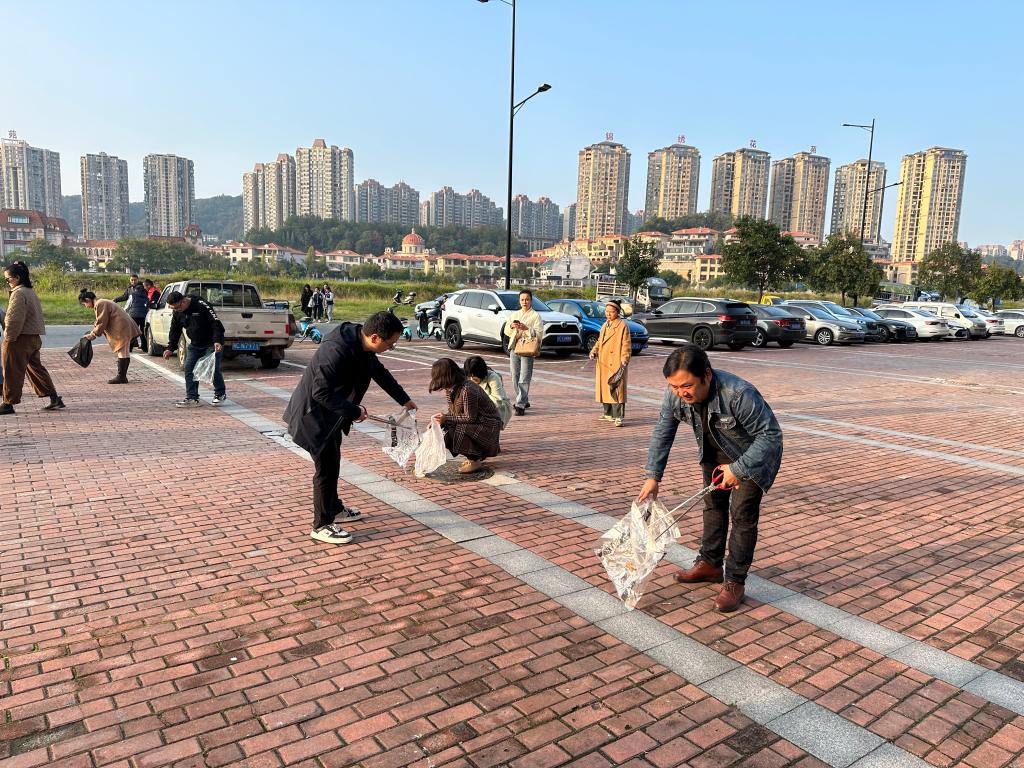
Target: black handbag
(615,380)
(81,353)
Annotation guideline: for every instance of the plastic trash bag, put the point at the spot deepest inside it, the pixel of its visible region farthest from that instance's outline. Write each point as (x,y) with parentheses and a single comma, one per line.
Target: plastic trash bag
(431,452)
(404,438)
(205,367)
(81,353)
(634,546)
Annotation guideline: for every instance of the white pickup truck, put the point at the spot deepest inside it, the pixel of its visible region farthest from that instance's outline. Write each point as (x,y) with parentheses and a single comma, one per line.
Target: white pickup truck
(249,328)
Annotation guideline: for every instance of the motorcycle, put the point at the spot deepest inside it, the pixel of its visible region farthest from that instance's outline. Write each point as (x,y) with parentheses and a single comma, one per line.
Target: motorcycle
(309,332)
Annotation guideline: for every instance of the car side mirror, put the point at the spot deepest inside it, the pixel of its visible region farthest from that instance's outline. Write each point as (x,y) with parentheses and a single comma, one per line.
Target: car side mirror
(493,308)
(655,311)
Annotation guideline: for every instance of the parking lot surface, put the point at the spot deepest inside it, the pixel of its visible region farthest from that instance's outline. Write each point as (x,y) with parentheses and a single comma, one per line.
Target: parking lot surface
(163,604)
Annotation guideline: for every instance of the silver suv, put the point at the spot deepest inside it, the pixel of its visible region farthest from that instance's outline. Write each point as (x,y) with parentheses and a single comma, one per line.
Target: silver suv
(479,315)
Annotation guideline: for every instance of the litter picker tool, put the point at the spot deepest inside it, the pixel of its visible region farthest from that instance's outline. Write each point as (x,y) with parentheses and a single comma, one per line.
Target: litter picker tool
(404,437)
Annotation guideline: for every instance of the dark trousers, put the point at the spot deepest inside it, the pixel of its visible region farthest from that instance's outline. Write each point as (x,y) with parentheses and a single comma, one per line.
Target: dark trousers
(141,322)
(192,356)
(615,410)
(327,466)
(740,507)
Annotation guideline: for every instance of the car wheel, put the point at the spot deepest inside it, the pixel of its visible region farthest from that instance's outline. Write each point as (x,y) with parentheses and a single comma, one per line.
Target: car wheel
(703,338)
(268,360)
(156,350)
(883,334)
(785,344)
(759,339)
(453,336)
(590,341)
(1019,333)
(824,337)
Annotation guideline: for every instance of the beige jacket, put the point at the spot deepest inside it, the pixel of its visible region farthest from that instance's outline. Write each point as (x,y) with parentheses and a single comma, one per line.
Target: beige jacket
(613,351)
(531,319)
(24,315)
(114,323)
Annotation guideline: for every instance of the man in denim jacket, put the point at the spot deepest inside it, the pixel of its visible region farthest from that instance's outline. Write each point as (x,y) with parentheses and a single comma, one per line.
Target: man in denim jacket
(737,432)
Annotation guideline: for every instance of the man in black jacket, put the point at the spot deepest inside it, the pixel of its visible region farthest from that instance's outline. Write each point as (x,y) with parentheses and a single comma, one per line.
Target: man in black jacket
(137,307)
(205,335)
(325,404)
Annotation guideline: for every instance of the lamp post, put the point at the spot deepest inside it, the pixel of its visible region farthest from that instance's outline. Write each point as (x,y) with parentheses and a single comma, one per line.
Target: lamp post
(513,107)
(867,178)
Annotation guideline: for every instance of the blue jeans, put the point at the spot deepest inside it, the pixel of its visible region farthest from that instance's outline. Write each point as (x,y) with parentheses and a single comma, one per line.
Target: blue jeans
(192,355)
(522,372)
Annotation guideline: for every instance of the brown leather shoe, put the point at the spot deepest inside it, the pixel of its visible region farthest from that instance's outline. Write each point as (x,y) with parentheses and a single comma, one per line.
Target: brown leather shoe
(701,571)
(730,597)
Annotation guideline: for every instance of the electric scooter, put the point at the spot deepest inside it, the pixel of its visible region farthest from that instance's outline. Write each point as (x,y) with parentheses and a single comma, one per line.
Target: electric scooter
(398,301)
(429,322)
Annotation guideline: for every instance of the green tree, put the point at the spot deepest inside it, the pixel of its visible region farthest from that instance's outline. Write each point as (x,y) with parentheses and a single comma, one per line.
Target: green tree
(367,271)
(950,270)
(640,260)
(843,265)
(762,257)
(672,279)
(997,282)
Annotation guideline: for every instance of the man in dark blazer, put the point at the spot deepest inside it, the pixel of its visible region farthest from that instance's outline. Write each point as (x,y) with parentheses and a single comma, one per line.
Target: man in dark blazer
(325,404)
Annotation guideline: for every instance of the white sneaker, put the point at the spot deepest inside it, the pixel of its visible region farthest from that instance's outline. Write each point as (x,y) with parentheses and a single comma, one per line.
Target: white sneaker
(219,400)
(348,515)
(331,534)
(188,403)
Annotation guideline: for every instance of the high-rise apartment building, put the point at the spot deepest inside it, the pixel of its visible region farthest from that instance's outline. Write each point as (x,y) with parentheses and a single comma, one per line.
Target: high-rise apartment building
(569,222)
(446,207)
(992,251)
(325,181)
(538,224)
(268,194)
(673,175)
(928,205)
(852,181)
(104,197)
(739,182)
(170,190)
(800,193)
(29,177)
(399,204)
(1016,250)
(602,190)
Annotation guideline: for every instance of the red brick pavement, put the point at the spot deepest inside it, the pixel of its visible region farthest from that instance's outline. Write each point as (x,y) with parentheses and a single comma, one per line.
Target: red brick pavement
(141,628)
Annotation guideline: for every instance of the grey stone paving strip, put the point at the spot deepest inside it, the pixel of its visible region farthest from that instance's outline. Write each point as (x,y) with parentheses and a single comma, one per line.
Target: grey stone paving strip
(830,737)
(942,665)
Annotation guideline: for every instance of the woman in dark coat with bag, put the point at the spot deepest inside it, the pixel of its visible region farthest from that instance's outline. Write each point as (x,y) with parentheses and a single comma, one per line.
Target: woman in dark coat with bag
(472,425)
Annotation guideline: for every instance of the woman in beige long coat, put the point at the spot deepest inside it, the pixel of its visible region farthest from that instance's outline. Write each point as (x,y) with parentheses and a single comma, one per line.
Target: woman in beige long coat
(119,328)
(612,352)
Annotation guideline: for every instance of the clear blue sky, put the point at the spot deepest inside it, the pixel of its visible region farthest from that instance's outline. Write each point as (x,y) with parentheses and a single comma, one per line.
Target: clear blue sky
(419,88)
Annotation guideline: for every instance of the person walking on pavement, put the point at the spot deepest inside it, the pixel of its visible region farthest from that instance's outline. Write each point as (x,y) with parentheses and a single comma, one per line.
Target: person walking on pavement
(472,425)
(304,297)
(19,353)
(737,434)
(612,352)
(523,326)
(329,302)
(326,403)
(117,325)
(205,332)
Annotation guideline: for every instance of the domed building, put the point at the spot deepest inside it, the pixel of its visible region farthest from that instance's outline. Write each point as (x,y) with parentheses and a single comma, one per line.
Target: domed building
(413,244)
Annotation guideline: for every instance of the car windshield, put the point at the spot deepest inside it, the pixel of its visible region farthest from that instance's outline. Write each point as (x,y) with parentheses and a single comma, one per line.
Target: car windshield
(770,311)
(870,314)
(966,312)
(820,314)
(840,311)
(593,309)
(924,312)
(658,292)
(511,301)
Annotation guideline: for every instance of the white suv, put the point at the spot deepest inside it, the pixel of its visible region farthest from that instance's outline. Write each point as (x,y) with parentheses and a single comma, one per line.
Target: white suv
(479,315)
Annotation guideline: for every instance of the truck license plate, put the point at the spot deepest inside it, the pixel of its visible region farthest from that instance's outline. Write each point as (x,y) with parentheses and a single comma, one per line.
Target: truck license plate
(564,339)
(246,346)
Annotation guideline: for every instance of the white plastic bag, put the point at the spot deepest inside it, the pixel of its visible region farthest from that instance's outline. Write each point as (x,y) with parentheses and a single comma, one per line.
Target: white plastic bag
(431,452)
(632,548)
(403,437)
(205,368)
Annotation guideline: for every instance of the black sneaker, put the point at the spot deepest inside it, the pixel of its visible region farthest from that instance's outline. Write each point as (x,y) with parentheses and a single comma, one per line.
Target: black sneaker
(188,402)
(520,411)
(347,515)
(331,534)
(219,400)
(55,404)
(6,409)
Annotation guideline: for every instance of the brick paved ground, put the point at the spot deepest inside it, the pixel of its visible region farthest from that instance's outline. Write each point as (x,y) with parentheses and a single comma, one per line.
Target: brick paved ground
(163,604)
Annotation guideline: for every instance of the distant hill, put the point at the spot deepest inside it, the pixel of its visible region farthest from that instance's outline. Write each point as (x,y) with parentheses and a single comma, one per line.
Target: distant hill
(220,216)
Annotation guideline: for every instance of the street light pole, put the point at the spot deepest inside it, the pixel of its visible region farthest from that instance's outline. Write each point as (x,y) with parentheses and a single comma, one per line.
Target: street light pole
(511,123)
(867,177)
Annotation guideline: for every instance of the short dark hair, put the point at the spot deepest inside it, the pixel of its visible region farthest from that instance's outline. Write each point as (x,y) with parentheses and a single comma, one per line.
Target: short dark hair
(19,269)
(136,277)
(86,295)
(174,297)
(475,366)
(383,324)
(147,281)
(689,358)
(527,291)
(445,374)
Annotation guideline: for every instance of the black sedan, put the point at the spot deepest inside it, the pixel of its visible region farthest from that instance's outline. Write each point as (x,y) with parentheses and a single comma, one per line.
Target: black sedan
(889,328)
(777,324)
(704,322)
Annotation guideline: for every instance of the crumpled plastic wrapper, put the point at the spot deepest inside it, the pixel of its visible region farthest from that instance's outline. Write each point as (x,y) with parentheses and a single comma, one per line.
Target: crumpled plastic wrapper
(633,547)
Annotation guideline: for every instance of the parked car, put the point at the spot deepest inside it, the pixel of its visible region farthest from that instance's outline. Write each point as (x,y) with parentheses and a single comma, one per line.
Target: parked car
(777,324)
(590,315)
(825,328)
(927,325)
(889,328)
(1013,321)
(478,315)
(996,325)
(974,326)
(870,327)
(249,327)
(704,322)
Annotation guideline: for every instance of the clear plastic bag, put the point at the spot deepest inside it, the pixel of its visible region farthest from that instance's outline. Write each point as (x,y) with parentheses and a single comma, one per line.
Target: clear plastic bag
(431,452)
(404,438)
(205,367)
